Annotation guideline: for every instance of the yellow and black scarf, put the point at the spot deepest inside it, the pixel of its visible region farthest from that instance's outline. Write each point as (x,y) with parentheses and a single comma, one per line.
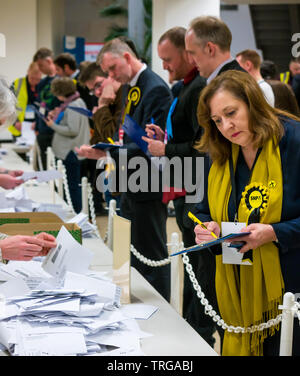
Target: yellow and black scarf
(251,295)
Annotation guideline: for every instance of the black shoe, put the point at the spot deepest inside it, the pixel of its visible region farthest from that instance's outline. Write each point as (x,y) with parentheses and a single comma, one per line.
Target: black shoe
(171,212)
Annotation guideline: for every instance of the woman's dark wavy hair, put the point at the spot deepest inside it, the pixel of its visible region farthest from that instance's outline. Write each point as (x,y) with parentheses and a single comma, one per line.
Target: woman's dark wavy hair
(264,120)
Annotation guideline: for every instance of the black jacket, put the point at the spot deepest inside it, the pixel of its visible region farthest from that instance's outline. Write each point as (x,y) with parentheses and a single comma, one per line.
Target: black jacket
(154,103)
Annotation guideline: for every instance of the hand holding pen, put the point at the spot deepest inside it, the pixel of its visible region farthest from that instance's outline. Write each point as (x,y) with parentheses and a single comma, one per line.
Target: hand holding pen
(205,231)
(155,132)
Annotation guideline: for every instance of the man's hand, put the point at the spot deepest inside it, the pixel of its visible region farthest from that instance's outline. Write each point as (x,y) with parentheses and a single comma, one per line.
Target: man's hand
(88,152)
(155,132)
(18,125)
(15,173)
(156,148)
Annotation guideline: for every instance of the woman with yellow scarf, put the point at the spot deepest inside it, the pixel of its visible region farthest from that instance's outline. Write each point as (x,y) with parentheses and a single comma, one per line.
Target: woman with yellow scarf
(254,179)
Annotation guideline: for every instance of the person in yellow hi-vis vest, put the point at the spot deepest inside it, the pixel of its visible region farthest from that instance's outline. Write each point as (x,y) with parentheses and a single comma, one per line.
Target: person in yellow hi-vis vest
(294,69)
(25,90)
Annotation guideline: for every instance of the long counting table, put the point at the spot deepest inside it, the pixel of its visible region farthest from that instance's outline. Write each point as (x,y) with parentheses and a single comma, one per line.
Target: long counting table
(172,335)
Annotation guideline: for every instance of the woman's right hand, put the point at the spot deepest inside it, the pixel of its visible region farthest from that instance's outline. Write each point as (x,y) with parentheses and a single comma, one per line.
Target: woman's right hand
(203,235)
(9,182)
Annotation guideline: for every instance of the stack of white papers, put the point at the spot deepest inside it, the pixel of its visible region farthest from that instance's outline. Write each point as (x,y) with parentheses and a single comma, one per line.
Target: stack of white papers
(82,220)
(16,200)
(59,307)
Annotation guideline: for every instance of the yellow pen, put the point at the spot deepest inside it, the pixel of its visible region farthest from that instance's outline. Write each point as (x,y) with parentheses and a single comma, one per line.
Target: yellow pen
(110,140)
(196,220)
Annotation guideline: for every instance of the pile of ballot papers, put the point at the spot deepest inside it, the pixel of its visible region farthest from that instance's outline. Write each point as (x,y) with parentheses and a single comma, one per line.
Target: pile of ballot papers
(82,221)
(17,200)
(57,306)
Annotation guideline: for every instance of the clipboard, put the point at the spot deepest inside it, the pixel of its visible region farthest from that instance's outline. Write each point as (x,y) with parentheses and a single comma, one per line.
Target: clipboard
(135,132)
(82,111)
(211,243)
(41,116)
(104,145)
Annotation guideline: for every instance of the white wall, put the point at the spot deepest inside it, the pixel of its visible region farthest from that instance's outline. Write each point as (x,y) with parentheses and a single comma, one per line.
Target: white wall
(28,25)
(51,24)
(238,21)
(170,13)
(18,22)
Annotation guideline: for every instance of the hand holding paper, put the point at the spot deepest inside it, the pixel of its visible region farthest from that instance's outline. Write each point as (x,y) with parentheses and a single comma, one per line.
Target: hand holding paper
(26,247)
(9,182)
(69,255)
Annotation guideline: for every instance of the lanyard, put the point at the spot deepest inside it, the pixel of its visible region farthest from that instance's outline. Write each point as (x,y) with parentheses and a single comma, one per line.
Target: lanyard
(233,183)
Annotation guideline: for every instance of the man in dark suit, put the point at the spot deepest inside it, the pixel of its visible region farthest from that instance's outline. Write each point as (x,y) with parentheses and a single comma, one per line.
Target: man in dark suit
(182,127)
(148,98)
(208,42)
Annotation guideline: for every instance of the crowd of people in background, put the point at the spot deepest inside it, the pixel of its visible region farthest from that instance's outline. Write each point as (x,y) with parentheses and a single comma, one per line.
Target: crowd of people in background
(239,115)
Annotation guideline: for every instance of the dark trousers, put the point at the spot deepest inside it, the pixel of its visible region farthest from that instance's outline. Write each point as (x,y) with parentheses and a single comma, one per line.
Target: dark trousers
(72,164)
(89,169)
(149,237)
(203,264)
(44,140)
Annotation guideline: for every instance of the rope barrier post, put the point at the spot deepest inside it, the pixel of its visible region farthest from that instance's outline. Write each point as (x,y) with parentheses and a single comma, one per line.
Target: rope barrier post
(60,187)
(175,273)
(50,166)
(84,195)
(287,325)
(49,158)
(111,213)
(92,209)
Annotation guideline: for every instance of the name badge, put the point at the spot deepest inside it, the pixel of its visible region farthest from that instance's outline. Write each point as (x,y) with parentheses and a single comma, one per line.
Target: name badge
(231,254)
(42,110)
(29,113)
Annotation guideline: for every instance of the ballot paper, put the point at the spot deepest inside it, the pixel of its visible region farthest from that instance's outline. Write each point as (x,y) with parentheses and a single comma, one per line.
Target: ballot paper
(69,255)
(16,200)
(139,311)
(52,208)
(82,220)
(18,193)
(81,315)
(41,176)
(28,135)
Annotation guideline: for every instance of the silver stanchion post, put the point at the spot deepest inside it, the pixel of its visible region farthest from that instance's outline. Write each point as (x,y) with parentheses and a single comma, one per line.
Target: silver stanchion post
(84,195)
(111,213)
(175,273)
(287,324)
